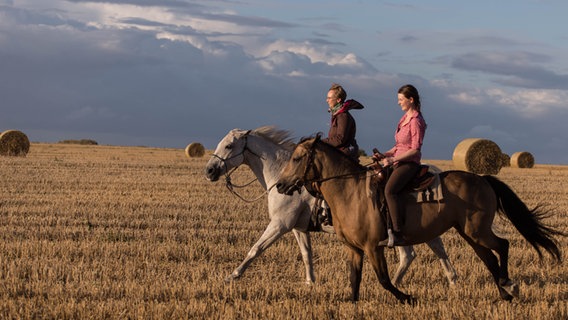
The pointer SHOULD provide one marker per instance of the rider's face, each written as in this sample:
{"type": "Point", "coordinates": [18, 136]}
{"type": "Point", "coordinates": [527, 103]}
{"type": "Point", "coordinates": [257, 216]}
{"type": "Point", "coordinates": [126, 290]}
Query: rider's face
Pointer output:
{"type": "Point", "coordinates": [331, 99]}
{"type": "Point", "coordinates": [405, 103]}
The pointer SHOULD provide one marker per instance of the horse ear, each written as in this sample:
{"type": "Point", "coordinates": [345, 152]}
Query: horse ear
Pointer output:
{"type": "Point", "coordinates": [318, 137]}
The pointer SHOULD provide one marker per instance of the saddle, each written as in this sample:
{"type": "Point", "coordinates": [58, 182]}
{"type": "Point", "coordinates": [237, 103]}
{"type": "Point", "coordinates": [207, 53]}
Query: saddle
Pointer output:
{"type": "Point", "coordinates": [420, 182]}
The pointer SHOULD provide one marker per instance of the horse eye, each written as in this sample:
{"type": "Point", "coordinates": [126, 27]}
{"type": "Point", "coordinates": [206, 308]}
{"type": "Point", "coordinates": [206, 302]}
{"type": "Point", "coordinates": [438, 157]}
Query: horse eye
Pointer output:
{"type": "Point", "coordinates": [229, 146]}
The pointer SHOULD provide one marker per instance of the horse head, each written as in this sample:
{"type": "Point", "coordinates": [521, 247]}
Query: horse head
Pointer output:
{"type": "Point", "coordinates": [301, 168]}
{"type": "Point", "coordinates": [229, 154]}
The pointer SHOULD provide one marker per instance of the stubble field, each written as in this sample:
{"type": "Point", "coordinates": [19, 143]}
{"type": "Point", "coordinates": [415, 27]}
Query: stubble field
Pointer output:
{"type": "Point", "coordinates": [95, 232]}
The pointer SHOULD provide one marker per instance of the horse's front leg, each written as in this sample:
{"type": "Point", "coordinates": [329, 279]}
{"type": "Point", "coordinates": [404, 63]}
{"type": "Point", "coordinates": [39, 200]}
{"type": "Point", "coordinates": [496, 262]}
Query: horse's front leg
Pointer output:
{"type": "Point", "coordinates": [273, 232]}
{"type": "Point", "coordinates": [355, 264]}
{"type": "Point", "coordinates": [379, 262]}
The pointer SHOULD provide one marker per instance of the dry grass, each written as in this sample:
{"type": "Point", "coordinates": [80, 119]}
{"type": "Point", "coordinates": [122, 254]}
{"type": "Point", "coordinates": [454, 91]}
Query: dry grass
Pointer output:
{"type": "Point", "coordinates": [95, 232]}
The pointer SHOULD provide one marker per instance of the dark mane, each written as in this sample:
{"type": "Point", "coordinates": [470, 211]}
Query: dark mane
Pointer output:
{"type": "Point", "coordinates": [341, 154]}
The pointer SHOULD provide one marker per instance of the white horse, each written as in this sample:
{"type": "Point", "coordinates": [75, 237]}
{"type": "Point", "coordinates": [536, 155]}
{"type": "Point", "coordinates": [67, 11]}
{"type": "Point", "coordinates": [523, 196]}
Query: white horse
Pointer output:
{"type": "Point", "coordinates": [266, 150]}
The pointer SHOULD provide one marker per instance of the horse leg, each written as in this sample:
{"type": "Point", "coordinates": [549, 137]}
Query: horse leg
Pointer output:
{"type": "Point", "coordinates": [355, 263]}
{"type": "Point", "coordinates": [501, 246]}
{"type": "Point", "coordinates": [437, 246]}
{"type": "Point", "coordinates": [406, 255]}
{"type": "Point", "coordinates": [273, 232]}
{"type": "Point", "coordinates": [507, 289]}
{"type": "Point", "coordinates": [377, 257]}
{"type": "Point", "coordinates": [305, 244]}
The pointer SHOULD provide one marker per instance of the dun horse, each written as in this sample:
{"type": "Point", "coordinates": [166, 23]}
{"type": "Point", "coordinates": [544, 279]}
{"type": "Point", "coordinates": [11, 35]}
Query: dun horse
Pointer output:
{"type": "Point", "coordinates": [469, 205]}
{"type": "Point", "coordinates": [266, 150]}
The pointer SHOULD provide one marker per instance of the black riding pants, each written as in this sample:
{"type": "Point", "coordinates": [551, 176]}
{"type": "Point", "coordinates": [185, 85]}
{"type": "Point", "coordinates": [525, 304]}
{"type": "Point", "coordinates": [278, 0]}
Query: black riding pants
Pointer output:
{"type": "Point", "coordinates": [402, 174]}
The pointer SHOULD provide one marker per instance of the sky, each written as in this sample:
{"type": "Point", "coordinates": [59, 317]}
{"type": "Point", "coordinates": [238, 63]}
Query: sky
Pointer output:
{"type": "Point", "coordinates": [166, 73]}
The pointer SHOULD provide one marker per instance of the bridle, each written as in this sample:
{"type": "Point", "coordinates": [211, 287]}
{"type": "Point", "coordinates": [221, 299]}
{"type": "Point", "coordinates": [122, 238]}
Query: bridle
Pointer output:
{"type": "Point", "coordinates": [230, 186]}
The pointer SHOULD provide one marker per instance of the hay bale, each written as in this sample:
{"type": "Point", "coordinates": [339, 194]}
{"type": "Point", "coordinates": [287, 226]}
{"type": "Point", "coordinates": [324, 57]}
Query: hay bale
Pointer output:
{"type": "Point", "coordinates": [522, 159]}
{"type": "Point", "coordinates": [14, 143]}
{"type": "Point", "coordinates": [505, 160]}
{"type": "Point", "coordinates": [480, 156]}
{"type": "Point", "coordinates": [194, 150]}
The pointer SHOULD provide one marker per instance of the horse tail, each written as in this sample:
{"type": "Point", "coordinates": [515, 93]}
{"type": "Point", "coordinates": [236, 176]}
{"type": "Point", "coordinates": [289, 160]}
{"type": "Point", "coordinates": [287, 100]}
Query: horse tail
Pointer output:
{"type": "Point", "coordinates": [528, 222]}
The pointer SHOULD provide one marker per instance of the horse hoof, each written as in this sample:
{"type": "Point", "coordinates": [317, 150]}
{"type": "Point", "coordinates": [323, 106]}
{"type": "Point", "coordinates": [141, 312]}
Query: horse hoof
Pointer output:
{"type": "Point", "coordinates": [230, 278]}
{"type": "Point", "coordinates": [511, 288]}
{"type": "Point", "coordinates": [328, 229]}
{"type": "Point", "coordinates": [410, 300]}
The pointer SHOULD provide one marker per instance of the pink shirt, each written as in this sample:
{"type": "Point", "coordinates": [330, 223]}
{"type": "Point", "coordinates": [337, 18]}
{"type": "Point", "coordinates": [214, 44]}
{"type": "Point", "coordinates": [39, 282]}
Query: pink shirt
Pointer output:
{"type": "Point", "coordinates": [410, 135]}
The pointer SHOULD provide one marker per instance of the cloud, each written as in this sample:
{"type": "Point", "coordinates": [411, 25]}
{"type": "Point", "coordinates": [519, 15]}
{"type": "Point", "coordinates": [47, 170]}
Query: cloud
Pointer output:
{"type": "Point", "coordinates": [166, 73]}
{"type": "Point", "coordinates": [521, 69]}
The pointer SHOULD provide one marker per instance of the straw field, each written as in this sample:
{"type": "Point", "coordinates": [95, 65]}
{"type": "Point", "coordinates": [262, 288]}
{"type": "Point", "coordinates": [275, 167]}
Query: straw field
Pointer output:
{"type": "Point", "coordinates": [102, 232]}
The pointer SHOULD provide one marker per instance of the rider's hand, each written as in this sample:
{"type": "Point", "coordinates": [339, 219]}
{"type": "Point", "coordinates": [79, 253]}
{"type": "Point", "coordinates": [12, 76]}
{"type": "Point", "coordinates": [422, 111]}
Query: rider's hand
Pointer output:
{"type": "Point", "coordinates": [377, 156]}
{"type": "Point", "coordinates": [387, 161]}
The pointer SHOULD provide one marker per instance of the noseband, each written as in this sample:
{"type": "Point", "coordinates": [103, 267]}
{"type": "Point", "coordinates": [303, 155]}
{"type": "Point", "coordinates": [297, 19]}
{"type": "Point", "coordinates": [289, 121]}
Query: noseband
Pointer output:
{"type": "Point", "coordinates": [228, 173]}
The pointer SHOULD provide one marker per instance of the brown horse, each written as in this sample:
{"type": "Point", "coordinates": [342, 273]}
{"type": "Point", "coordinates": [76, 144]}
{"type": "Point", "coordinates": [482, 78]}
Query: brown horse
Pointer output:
{"type": "Point", "coordinates": [469, 205]}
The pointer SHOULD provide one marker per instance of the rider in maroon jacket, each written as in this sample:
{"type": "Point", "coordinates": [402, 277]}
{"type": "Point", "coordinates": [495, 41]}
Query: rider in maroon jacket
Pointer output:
{"type": "Point", "coordinates": [341, 133]}
{"type": "Point", "coordinates": [342, 129]}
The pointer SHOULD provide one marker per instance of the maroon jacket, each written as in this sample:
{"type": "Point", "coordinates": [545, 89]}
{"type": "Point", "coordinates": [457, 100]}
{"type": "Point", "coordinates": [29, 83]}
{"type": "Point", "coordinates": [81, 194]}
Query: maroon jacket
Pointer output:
{"type": "Point", "coordinates": [343, 129]}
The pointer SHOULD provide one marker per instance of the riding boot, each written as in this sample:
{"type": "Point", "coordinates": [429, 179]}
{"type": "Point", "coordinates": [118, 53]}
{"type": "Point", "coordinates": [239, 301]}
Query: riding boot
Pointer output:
{"type": "Point", "coordinates": [325, 218]}
{"type": "Point", "coordinates": [325, 221]}
{"type": "Point", "coordinates": [395, 238]}
{"type": "Point", "coordinates": [314, 224]}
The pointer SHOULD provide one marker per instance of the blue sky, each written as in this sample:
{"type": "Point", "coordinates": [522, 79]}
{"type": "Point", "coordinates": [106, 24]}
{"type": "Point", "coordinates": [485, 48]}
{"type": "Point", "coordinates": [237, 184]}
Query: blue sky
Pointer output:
{"type": "Point", "coordinates": [166, 73]}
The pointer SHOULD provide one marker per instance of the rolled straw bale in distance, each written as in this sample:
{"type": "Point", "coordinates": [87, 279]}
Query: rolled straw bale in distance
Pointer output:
{"type": "Point", "coordinates": [194, 150]}
{"type": "Point", "coordinates": [14, 143]}
{"type": "Point", "coordinates": [522, 159]}
{"type": "Point", "coordinates": [478, 155]}
{"type": "Point", "coordinates": [505, 160]}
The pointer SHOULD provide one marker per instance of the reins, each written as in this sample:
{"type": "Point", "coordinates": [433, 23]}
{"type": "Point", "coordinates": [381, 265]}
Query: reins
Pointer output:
{"type": "Point", "coordinates": [310, 163]}
{"type": "Point", "coordinates": [230, 186]}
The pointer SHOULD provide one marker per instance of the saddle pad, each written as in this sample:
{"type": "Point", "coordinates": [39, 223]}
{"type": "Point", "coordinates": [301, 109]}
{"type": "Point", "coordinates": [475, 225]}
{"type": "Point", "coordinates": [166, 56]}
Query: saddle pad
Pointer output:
{"type": "Point", "coordinates": [432, 193]}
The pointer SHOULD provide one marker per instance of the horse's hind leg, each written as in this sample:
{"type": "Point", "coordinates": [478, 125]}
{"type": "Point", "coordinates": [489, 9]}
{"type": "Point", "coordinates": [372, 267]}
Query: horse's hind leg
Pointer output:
{"type": "Point", "coordinates": [437, 246]}
{"type": "Point", "coordinates": [379, 262]}
{"type": "Point", "coordinates": [304, 242]}
{"type": "Point", "coordinates": [406, 255]}
{"type": "Point", "coordinates": [507, 289]}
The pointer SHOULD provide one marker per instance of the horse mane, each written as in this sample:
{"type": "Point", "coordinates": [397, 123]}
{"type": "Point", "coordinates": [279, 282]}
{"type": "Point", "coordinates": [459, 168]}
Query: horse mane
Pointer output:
{"type": "Point", "coordinates": [336, 150]}
{"type": "Point", "coordinates": [277, 136]}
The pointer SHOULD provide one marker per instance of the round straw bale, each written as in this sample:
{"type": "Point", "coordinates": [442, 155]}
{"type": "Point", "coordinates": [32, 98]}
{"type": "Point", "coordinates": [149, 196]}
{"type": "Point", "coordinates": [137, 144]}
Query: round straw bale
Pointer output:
{"type": "Point", "coordinates": [505, 160]}
{"type": "Point", "coordinates": [480, 156]}
{"type": "Point", "coordinates": [522, 159]}
{"type": "Point", "coordinates": [194, 150]}
{"type": "Point", "coordinates": [14, 143]}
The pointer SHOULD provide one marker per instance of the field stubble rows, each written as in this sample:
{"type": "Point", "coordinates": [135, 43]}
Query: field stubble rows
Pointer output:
{"type": "Point", "coordinates": [132, 232]}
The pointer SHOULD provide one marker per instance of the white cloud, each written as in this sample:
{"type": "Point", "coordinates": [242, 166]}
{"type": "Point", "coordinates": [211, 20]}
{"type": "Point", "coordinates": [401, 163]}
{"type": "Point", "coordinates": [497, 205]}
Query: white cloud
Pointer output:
{"type": "Point", "coordinates": [530, 103]}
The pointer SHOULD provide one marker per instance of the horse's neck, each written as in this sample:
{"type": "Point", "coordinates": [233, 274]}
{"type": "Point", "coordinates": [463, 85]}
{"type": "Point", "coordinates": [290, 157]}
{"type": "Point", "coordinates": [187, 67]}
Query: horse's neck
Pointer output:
{"type": "Point", "coordinates": [342, 178]}
{"type": "Point", "coordinates": [267, 163]}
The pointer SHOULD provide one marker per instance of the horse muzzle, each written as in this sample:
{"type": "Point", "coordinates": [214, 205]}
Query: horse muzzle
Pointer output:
{"type": "Point", "coordinates": [212, 173]}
